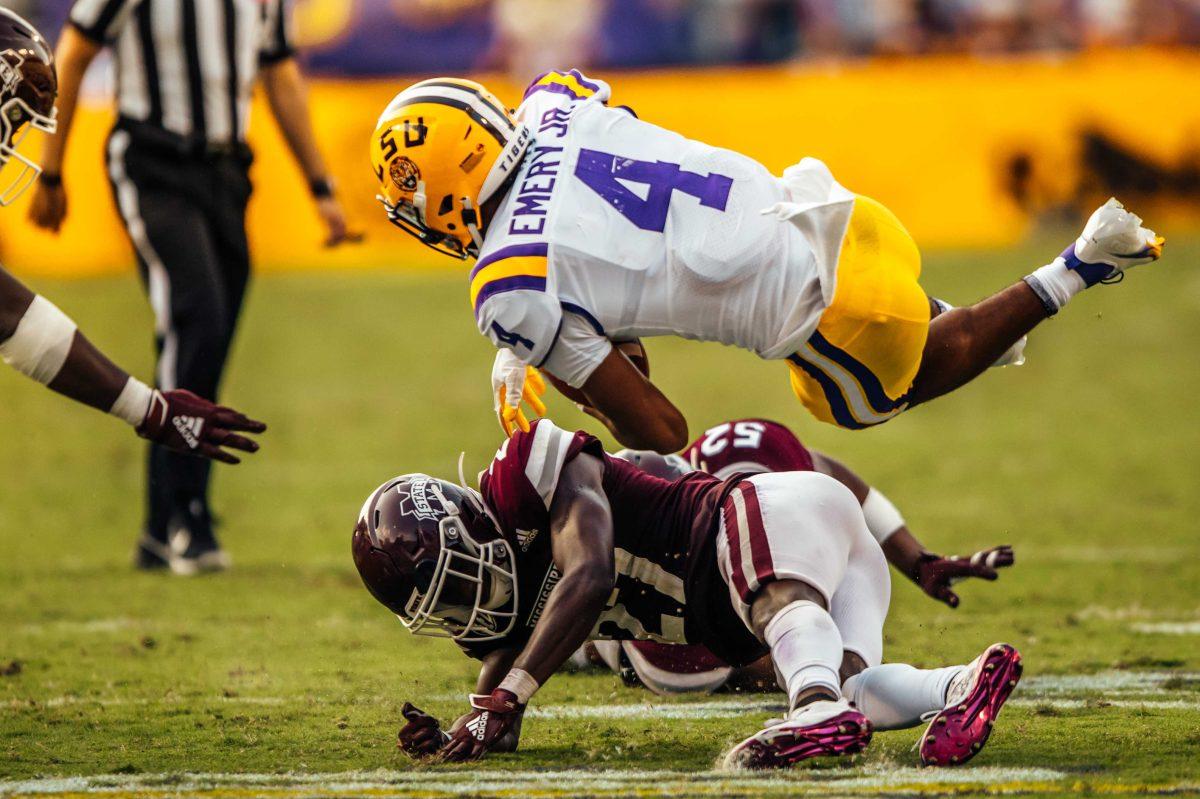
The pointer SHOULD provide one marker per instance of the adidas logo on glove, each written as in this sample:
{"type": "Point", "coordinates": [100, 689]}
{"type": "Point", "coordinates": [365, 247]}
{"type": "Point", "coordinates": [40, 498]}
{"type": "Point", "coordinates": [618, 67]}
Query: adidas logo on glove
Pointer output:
{"type": "Point", "coordinates": [189, 428]}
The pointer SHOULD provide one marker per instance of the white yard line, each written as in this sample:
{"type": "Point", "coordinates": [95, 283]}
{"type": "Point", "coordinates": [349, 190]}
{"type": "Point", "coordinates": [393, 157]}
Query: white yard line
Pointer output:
{"type": "Point", "coordinates": [724, 708]}
{"type": "Point", "coordinates": [1168, 628]}
{"type": "Point", "coordinates": [1101, 704]}
{"type": "Point", "coordinates": [117, 701]}
{"type": "Point", "coordinates": [543, 783]}
{"type": "Point", "coordinates": [109, 625]}
{"type": "Point", "coordinates": [1119, 682]}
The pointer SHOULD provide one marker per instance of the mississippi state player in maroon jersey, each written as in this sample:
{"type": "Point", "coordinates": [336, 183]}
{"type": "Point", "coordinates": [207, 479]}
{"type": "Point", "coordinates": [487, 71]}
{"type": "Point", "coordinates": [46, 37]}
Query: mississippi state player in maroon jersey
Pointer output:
{"type": "Point", "coordinates": [564, 543]}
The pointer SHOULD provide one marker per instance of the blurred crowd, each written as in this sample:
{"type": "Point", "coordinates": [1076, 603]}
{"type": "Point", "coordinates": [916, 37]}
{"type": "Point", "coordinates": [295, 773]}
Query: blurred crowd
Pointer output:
{"type": "Point", "coordinates": [528, 36]}
{"type": "Point", "coordinates": [553, 32]}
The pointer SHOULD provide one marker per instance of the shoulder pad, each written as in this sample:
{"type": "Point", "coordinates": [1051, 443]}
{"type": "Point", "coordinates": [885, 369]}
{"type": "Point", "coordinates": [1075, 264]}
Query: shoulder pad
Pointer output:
{"type": "Point", "coordinates": [512, 308]}
{"type": "Point", "coordinates": [523, 476]}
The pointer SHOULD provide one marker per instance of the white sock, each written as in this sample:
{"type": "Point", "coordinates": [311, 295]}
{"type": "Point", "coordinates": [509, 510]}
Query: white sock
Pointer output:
{"type": "Point", "coordinates": [896, 695]}
{"type": "Point", "coordinates": [806, 647]}
{"type": "Point", "coordinates": [1055, 284]}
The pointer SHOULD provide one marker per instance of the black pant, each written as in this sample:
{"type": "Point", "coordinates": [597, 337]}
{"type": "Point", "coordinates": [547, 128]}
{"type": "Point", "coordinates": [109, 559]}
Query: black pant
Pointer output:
{"type": "Point", "coordinates": [184, 209]}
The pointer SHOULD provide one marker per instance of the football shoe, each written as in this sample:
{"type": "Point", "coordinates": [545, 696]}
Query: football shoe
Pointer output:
{"type": "Point", "coordinates": [824, 728]}
{"type": "Point", "coordinates": [151, 554]}
{"type": "Point", "coordinates": [973, 700]}
{"type": "Point", "coordinates": [194, 547]}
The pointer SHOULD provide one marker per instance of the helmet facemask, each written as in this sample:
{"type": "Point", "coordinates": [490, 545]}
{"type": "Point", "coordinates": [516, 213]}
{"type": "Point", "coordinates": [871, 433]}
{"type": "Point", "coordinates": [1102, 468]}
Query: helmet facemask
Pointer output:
{"type": "Point", "coordinates": [409, 216]}
{"type": "Point", "coordinates": [484, 575]}
{"type": "Point", "coordinates": [17, 119]}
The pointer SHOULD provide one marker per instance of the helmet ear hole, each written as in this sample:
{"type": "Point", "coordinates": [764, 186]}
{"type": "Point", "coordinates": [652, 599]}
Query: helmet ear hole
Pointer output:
{"type": "Point", "coordinates": [424, 573]}
{"type": "Point", "coordinates": [446, 206]}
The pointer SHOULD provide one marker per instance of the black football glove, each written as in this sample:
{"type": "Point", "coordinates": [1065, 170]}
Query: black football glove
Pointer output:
{"type": "Point", "coordinates": [184, 422]}
{"type": "Point", "coordinates": [422, 735]}
{"type": "Point", "coordinates": [936, 573]}
{"type": "Point", "coordinates": [492, 715]}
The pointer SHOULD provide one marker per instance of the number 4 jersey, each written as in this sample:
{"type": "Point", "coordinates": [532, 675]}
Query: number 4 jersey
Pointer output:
{"type": "Point", "coordinates": [615, 228]}
{"type": "Point", "coordinates": [667, 585]}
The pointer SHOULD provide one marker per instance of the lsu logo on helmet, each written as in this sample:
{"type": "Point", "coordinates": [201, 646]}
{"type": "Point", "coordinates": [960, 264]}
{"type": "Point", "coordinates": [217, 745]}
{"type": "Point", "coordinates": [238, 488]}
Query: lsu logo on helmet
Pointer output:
{"type": "Point", "coordinates": [441, 149]}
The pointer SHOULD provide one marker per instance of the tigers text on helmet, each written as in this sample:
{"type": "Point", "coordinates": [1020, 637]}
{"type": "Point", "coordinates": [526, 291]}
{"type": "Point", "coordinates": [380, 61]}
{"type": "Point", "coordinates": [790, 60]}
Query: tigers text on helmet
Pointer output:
{"type": "Point", "coordinates": [28, 88]}
{"type": "Point", "coordinates": [441, 149]}
{"type": "Point", "coordinates": [429, 551]}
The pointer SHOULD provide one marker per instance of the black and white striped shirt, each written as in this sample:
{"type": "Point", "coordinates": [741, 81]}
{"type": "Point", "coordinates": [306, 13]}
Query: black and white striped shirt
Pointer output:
{"type": "Point", "coordinates": [187, 66]}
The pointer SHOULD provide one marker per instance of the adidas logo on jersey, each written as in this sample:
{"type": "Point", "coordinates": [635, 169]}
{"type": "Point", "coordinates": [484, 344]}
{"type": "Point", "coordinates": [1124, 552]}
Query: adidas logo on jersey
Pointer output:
{"type": "Point", "coordinates": [189, 428]}
{"type": "Point", "coordinates": [525, 538]}
{"type": "Point", "coordinates": [478, 725]}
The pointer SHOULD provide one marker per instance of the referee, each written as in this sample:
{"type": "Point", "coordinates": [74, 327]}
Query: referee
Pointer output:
{"type": "Point", "coordinates": [178, 161]}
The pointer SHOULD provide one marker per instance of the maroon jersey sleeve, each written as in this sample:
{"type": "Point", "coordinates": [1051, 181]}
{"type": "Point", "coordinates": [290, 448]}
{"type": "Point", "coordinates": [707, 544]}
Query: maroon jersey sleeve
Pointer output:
{"type": "Point", "coordinates": [748, 445]}
{"type": "Point", "coordinates": [519, 484]}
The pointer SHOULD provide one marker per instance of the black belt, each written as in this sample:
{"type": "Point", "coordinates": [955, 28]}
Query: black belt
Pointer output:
{"type": "Point", "coordinates": [153, 137]}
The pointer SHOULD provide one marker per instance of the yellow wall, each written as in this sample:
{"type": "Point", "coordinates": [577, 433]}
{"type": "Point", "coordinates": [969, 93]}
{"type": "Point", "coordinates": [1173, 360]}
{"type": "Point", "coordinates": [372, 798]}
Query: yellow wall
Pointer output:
{"type": "Point", "coordinates": [927, 137]}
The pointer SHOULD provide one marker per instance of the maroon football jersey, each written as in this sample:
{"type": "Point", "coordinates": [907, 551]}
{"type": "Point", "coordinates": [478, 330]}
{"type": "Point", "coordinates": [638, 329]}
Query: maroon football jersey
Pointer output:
{"type": "Point", "coordinates": [748, 445]}
{"type": "Point", "coordinates": [667, 586]}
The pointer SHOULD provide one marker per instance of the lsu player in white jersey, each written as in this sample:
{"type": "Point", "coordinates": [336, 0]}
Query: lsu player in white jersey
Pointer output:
{"type": "Point", "coordinates": [591, 229]}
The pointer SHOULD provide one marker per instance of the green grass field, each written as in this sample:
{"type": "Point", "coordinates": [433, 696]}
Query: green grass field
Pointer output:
{"type": "Point", "coordinates": [283, 678]}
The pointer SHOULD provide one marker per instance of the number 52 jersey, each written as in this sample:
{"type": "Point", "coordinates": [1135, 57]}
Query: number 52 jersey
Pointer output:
{"type": "Point", "coordinates": [616, 228]}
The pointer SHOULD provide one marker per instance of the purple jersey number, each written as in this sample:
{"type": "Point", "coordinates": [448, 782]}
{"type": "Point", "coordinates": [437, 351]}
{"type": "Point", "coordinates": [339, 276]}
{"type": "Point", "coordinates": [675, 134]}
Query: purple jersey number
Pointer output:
{"type": "Point", "coordinates": [600, 172]}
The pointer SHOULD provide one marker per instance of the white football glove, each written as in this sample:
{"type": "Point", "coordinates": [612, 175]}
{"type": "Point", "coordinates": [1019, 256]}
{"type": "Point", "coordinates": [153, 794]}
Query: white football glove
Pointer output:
{"type": "Point", "coordinates": [512, 383]}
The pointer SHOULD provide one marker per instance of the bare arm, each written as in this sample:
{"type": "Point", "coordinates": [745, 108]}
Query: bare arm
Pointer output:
{"type": "Point", "coordinates": [14, 301]}
{"type": "Point", "coordinates": [75, 52]}
{"type": "Point", "coordinates": [582, 543]}
{"type": "Point", "coordinates": [634, 410]}
{"type": "Point", "coordinates": [40, 341]}
{"type": "Point", "coordinates": [288, 98]}
{"type": "Point", "coordinates": [86, 375]}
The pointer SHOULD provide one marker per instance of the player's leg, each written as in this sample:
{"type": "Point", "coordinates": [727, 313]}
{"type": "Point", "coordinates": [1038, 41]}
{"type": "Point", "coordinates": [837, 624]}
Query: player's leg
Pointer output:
{"type": "Point", "coordinates": [879, 349]}
{"type": "Point", "coordinates": [859, 606]}
{"type": "Point", "coordinates": [963, 342]}
{"type": "Point", "coordinates": [1013, 356]}
{"type": "Point", "coordinates": [896, 695]}
{"type": "Point", "coordinates": [194, 325]}
{"type": "Point", "coordinates": [783, 551]}
{"type": "Point", "coordinates": [960, 703]}
{"type": "Point", "coordinates": [227, 271]}
{"type": "Point", "coordinates": [156, 198]}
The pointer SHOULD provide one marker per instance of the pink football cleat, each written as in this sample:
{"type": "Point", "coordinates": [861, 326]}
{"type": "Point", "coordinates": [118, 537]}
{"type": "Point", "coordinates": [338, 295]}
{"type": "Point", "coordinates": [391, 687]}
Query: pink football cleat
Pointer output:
{"type": "Point", "coordinates": [973, 700]}
{"type": "Point", "coordinates": [820, 729]}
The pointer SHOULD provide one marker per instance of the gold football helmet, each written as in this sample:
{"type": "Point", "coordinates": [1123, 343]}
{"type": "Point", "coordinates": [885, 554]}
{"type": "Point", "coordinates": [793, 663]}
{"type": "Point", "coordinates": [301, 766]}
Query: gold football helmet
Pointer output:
{"type": "Point", "coordinates": [441, 149]}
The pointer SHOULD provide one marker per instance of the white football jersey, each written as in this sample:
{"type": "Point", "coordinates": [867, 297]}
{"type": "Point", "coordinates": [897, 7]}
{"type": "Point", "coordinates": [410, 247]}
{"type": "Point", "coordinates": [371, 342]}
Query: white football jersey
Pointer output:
{"type": "Point", "coordinates": [615, 228]}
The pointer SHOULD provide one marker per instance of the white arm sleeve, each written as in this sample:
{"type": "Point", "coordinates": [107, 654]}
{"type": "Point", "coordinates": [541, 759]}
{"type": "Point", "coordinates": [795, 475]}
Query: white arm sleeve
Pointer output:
{"type": "Point", "coordinates": [40, 344]}
{"type": "Point", "coordinates": [578, 351]}
{"type": "Point", "coordinates": [883, 518]}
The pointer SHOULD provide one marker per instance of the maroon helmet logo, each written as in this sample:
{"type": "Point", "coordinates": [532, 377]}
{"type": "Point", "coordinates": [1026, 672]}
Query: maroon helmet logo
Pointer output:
{"type": "Point", "coordinates": [404, 174]}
